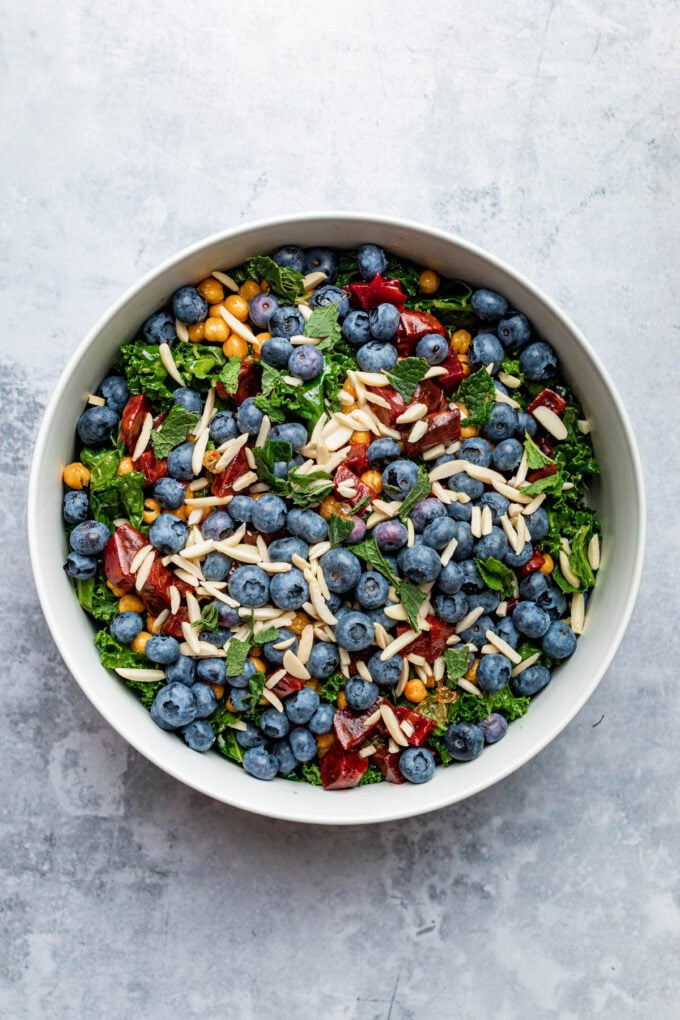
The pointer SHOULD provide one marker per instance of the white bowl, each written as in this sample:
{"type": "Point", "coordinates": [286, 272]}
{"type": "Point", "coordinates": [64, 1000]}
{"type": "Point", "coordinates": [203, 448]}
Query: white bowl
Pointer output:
{"type": "Point", "coordinates": [620, 500]}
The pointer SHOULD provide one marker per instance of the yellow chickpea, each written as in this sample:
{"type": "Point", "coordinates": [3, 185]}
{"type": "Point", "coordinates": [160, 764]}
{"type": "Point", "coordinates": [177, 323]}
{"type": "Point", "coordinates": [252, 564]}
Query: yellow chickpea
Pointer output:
{"type": "Point", "coordinates": [125, 466]}
{"type": "Point", "coordinates": [196, 332]}
{"type": "Point", "coordinates": [139, 643]}
{"type": "Point", "coordinates": [238, 306]}
{"type": "Point", "coordinates": [461, 340]}
{"type": "Point", "coordinates": [114, 590]}
{"type": "Point", "coordinates": [76, 475]}
{"type": "Point", "coordinates": [548, 564]}
{"type": "Point", "coordinates": [235, 347]}
{"type": "Point", "coordinates": [324, 742]}
{"type": "Point", "coordinates": [152, 509]}
{"type": "Point", "coordinates": [360, 437]}
{"type": "Point", "coordinates": [415, 690]}
{"type": "Point", "coordinates": [131, 604]}
{"type": "Point", "coordinates": [258, 664]}
{"type": "Point", "coordinates": [428, 281]}
{"type": "Point", "coordinates": [216, 330]}
{"type": "Point", "coordinates": [211, 289]}
{"type": "Point", "coordinates": [374, 479]}
{"type": "Point", "coordinates": [249, 289]}
{"type": "Point", "coordinates": [472, 672]}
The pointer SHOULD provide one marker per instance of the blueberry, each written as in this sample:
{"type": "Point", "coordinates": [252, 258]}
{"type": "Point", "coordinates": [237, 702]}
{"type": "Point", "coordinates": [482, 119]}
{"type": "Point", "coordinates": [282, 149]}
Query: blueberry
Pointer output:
{"type": "Point", "coordinates": [269, 514]}
{"type": "Point", "coordinates": [473, 583]}
{"type": "Point", "coordinates": [416, 764]}
{"type": "Point", "coordinates": [321, 260]}
{"type": "Point", "coordinates": [291, 256]}
{"type": "Point", "coordinates": [275, 655]}
{"type": "Point", "coordinates": [323, 660]}
{"type": "Point", "coordinates": [169, 492]}
{"type": "Point", "coordinates": [507, 455]}
{"type": "Point", "coordinates": [217, 525]}
{"type": "Point", "coordinates": [371, 590]}
{"type": "Point", "coordinates": [383, 322]}
{"type": "Point", "coordinates": [249, 585]}
{"type": "Point", "coordinates": [390, 536]}
{"type": "Point", "coordinates": [532, 587]}
{"type": "Point", "coordinates": [96, 424]}
{"type": "Point", "coordinates": [159, 328]}
{"type": "Point", "coordinates": [199, 735]}
{"type": "Point", "coordinates": [189, 306]}
{"type": "Point", "coordinates": [494, 544]}
{"type": "Point", "coordinates": [125, 627]}
{"type": "Point", "coordinates": [538, 362]}
{"type": "Point", "coordinates": [274, 724]}
{"type": "Point", "coordinates": [341, 570]}
{"type": "Point", "coordinates": [354, 631]}
{"type": "Point", "coordinates": [182, 670]}
{"type": "Point", "coordinates": [114, 390]}
{"type": "Point", "coordinates": [282, 550]}
{"type": "Point", "coordinates": [308, 525]}
{"type": "Point", "coordinates": [174, 706]}
{"type": "Point", "coordinates": [450, 608]}
{"type": "Point", "coordinates": [168, 534]}
{"type": "Point", "coordinates": [81, 568]}
{"type": "Point", "coordinates": [261, 308]}
{"type": "Point", "coordinates": [329, 295]}
{"type": "Point", "coordinates": [89, 538]}
{"type": "Point", "coordinates": [241, 509]}
{"type": "Point", "coordinates": [378, 616]}
{"type": "Point", "coordinates": [240, 680]}
{"type": "Point", "coordinates": [433, 347]}
{"type": "Point", "coordinates": [475, 634]}
{"type": "Point", "coordinates": [322, 720]}
{"type": "Point", "coordinates": [493, 672]}
{"type": "Point", "coordinates": [250, 737]}
{"type": "Point", "coordinates": [489, 305]}
{"type": "Point", "coordinates": [240, 698]}
{"type": "Point", "coordinates": [488, 600]}
{"type": "Point", "coordinates": [301, 705]}
{"type": "Point", "coordinates": [462, 482]}
{"type": "Point", "coordinates": [302, 744]}
{"type": "Point", "coordinates": [377, 356]}
{"type": "Point", "coordinates": [502, 423]}
{"type": "Point", "coordinates": [286, 321]}
{"type": "Point", "coordinates": [516, 560]}
{"type": "Point", "coordinates": [371, 260]}
{"type": "Point", "coordinates": [218, 637]}
{"type": "Point", "coordinates": [190, 399]}
{"type": "Point", "coordinates": [426, 511]}
{"type": "Point", "coordinates": [494, 728]}
{"type": "Point", "coordinates": [179, 462]}
{"type": "Point", "coordinates": [285, 759]}
{"type": "Point", "coordinates": [223, 427]}
{"type": "Point", "coordinates": [382, 452]}
{"type": "Point", "coordinates": [465, 538]}
{"type": "Point", "coordinates": [526, 423]}
{"type": "Point", "coordinates": [356, 329]}
{"type": "Point", "coordinates": [249, 417]}
{"type": "Point", "coordinates": [559, 641]}
{"type": "Point", "coordinates": [464, 741]}
{"type": "Point", "coordinates": [499, 505]}
{"type": "Point", "coordinates": [450, 580]}
{"type": "Point", "coordinates": [206, 702]}
{"type": "Point", "coordinates": [290, 590]}
{"type": "Point", "coordinates": [419, 564]}
{"type": "Point", "coordinates": [226, 616]}
{"type": "Point", "coordinates": [162, 648]}
{"type": "Point", "coordinates": [211, 671]}
{"type": "Point", "coordinates": [530, 681]}
{"type": "Point", "coordinates": [486, 349]}
{"type": "Point", "coordinates": [290, 432]}
{"type": "Point", "coordinates": [514, 331]}
{"type": "Point", "coordinates": [477, 451]}
{"type": "Point", "coordinates": [260, 764]}
{"type": "Point", "coordinates": [554, 602]}
{"type": "Point", "coordinates": [358, 532]}
{"type": "Point", "coordinates": [530, 619]}
{"type": "Point", "coordinates": [361, 694]}
{"type": "Point", "coordinates": [387, 673]}
{"type": "Point", "coordinates": [277, 351]}
{"type": "Point", "coordinates": [306, 362]}
{"type": "Point", "coordinates": [538, 524]}
{"type": "Point", "coordinates": [76, 506]}
{"type": "Point", "coordinates": [398, 478]}
{"type": "Point", "coordinates": [216, 566]}
{"type": "Point", "coordinates": [500, 388]}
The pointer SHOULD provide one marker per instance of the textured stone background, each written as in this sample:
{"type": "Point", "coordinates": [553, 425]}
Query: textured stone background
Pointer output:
{"type": "Point", "coordinates": [546, 132]}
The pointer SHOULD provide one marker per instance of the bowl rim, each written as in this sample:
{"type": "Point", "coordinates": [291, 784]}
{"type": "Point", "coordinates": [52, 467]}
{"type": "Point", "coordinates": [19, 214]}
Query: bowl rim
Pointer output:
{"type": "Point", "coordinates": [391, 811]}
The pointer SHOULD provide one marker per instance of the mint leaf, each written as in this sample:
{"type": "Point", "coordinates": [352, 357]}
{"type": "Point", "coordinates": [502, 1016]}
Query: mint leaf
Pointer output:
{"type": "Point", "coordinates": [421, 490]}
{"type": "Point", "coordinates": [411, 599]}
{"type": "Point", "coordinates": [285, 282]}
{"type": "Point", "coordinates": [496, 575]}
{"type": "Point", "coordinates": [535, 457]}
{"type": "Point", "coordinates": [304, 489]}
{"type": "Point", "coordinates": [228, 745]}
{"type": "Point", "coordinates": [209, 618]}
{"type": "Point", "coordinates": [478, 393]}
{"type": "Point", "coordinates": [370, 552]}
{"type": "Point", "coordinates": [252, 700]}
{"type": "Point", "coordinates": [221, 718]}
{"type": "Point", "coordinates": [173, 430]}
{"type": "Point", "coordinates": [237, 653]}
{"type": "Point", "coordinates": [265, 636]}
{"type": "Point", "coordinates": [229, 374]}
{"type": "Point", "coordinates": [323, 324]}
{"type": "Point", "coordinates": [406, 375]}
{"type": "Point", "coordinates": [339, 529]}
{"type": "Point", "coordinates": [549, 483]}
{"type": "Point", "coordinates": [457, 662]}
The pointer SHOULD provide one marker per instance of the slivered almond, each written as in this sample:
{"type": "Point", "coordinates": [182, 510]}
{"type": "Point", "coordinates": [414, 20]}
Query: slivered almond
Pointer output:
{"type": "Point", "coordinates": [305, 310]}
{"type": "Point", "coordinates": [347, 491]}
{"type": "Point", "coordinates": [411, 539]}
{"type": "Point", "coordinates": [228, 543]}
{"type": "Point", "coordinates": [175, 599]}
{"type": "Point", "coordinates": [521, 471]}
{"type": "Point", "coordinates": [265, 429]}
{"type": "Point", "coordinates": [469, 619]}
{"type": "Point", "coordinates": [385, 430]}
{"type": "Point", "coordinates": [469, 687]}
{"type": "Point", "coordinates": [191, 568]}
{"type": "Point", "coordinates": [502, 646]}
{"type": "Point", "coordinates": [522, 532]}
{"type": "Point", "coordinates": [193, 608]}
{"type": "Point", "coordinates": [275, 568]}
{"type": "Point", "coordinates": [196, 552]}
{"type": "Point", "coordinates": [445, 495]}
{"type": "Point", "coordinates": [298, 562]}
{"type": "Point", "coordinates": [407, 727]}
{"type": "Point", "coordinates": [510, 533]}
{"type": "Point", "coordinates": [144, 437]}
{"type": "Point", "coordinates": [196, 516]}
{"type": "Point", "coordinates": [392, 724]}
{"type": "Point", "coordinates": [236, 326]}
{"type": "Point", "coordinates": [505, 398]}
{"type": "Point", "coordinates": [212, 589]}
{"type": "Point", "coordinates": [231, 449]}
{"type": "Point", "coordinates": [203, 501]}
{"type": "Point", "coordinates": [367, 751]}
{"type": "Point", "coordinates": [141, 675]}
{"type": "Point", "coordinates": [448, 551]}
{"type": "Point", "coordinates": [565, 567]}
{"type": "Point", "coordinates": [511, 381]}
{"type": "Point", "coordinates": [371, 378]}
{"type": "Point", "coordinates": [244, 481]}
{"type": "Point", "coordinates": [347, 398]}
{"type": "Point", "coordinates": [139, 558]}
{"type": "Point", "coordinates": [320, 607]}
{"type": "Point", "coordinates": [417, 660]}
{"type": "Point", "coordinates": [550, 422]}
{"type": "Point", "coordinates": [238, 724]}
{"type": "Point", "coordinates": [594, 552]}
{"type": "Point", "coordinates": [318, 549]}
{"type": "Point", "coordinates": [432, 452]}
{"type": "Point", "coordinates": [396, 612]}
{"type": "Point", "coordinates": [337, 436]}
{"type": "Point", "coordinates": [502, 609]}
{"type": "Point", "coordinates": [198, 484]}
{"type": "Point", "coordinates": [578, 612]}
{"type": "Point", "coordinates": [293, 666]}
{"type": "Point", "coordinates": [375, 518]}
{"type": "Point", "coordinates": [190, 636]}
{"type": "Point", "coordinates": [382, 638]}
{"type": "Point", "coordinates": [169, 363]}
{"type": "Point", "coordinates": [532, 507]}
{"type": "Point", "coordinates": [305, 644]}
{"type": "Point", "coordinates": [321, 580]}
{"type": "Point", "coordinates": [487, 520]}
{"type": "Point", "coordinates": [362, 670]}
{"type": "Point", "coordinates": [227, 280]}
{"type": "Point", "coordinates": [412, 413]}
{"type": "Point", "coordinates": [250, 457]}
{"type": "Point", "coordinates": [439, 668]}
{"type": "Point", "coordinates": [433, 372]}
{"type": "Point", "coordinates": [312, 280]}
{"type": "Point", "coordinates": [144, 570]}
{"type": "Point", "coordinates": [95, 400]}
{"type": "Point", "coordinates": [476, 522]}
{"type": "Point", "coordinates": [275, 677]}
{"type": "Point", "coordinates": [181, 330]}
{"type": "Point", "coordinates": [208, 411]}
{"type": "Point", "coordinates": [273, 699]}
{"type": "Point", "coordinates": [261, 613]}
{"type": "Point", "coordinates": [188, 578]}
{"type": "Point", "coordinates": [396, 646]}
{"type": "Point", "coordinates": [262, 548]}
{"type": "Point", "coordinates": [526, 663]}
{"type": "Point", "coordinates": [403, 679]}
{"type": "Point", "coordinates": [372, 398]}
{"type": "Point", "coordinates": [417, 432]}
{"type": "Point", "coordinates": [584, 426]}
{"type": "Point", "coordinates": [292, 380]}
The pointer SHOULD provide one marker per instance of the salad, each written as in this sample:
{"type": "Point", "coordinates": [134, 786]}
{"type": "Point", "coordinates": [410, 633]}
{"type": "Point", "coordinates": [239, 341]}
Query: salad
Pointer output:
{"type": "Point", "coordinates": [329, 515]}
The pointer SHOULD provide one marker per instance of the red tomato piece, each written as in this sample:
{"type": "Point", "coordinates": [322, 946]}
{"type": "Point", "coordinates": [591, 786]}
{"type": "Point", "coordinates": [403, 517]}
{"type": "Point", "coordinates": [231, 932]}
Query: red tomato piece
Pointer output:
{"type": "Point", "coordinates": [223, 482]}
{"type": "Point", "coordinates": [132, 419]}
{"type": "Point", "coordinates": [377, 292]}
{"type": "Point", "coordinates": [454, 373]}
{"type": "Point", "coordinates": [341, 769]}
{"type": "Point", "coordinates": [430, 643]}
{"type": "Point", "coordinates": [442, 427]}
{"type": "Point", "coordinates": [422, 726]}
{"type": "Point", "coordinates": [388, 763]}
{"type": "Point", "coordinates": [119, 553]}
{"type": "Point", "coordinates": [533, 564]}
{"type": "Point", "coordinates": [287, 685]}
{"type": "Point", "coordinates": [548, 398]}
{"type": "Point", "coordinates": [343, 476]}
{"type": "Point", "coordinates": [351, 727]}
{"type": "Point", "coordinates": [544, 472]}
{"type": "Point", "coordinates": [151, 468]}
{"type": "Point", "coordinates": [356, 460]}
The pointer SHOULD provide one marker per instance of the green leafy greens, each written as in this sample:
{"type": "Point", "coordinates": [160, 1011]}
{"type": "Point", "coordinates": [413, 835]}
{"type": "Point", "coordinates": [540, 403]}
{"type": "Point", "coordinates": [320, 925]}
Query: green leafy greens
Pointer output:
{"type": "Point", "coordinates": [406, 375]}
{"type": "Point", "coordinates": [496, 575]}
{"type": "Point", "coordinates": [457, 663]}
{"type": "Point", "coordinates": [98, 600]}
{"type": "Point", "coordinates": [411, 599]}
{"type": "Point", "coordinates": [323, 324]}
{"type": "Point", "coordinates": [478, 393]}
{"type": "Point", "coordinates": [339, 529]}
{"type": "Point", "coordinates": [285, 282]}
{"type": "Point", "coordinates": [113, 495]}
{"type": "Point", "coordinates": [173, 430]}
{"type": "Point", "coordinates": [304, 489]}
{"type": "Point", "coordinates": [419, 491]}
{"type": "Point", "coordinates": [535, 457]}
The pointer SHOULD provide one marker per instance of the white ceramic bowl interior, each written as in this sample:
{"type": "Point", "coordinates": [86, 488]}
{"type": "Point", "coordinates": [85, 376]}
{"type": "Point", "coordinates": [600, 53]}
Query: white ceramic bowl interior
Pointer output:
{"type": "Point", "coordinates": [620, 500]}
